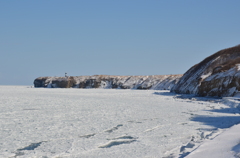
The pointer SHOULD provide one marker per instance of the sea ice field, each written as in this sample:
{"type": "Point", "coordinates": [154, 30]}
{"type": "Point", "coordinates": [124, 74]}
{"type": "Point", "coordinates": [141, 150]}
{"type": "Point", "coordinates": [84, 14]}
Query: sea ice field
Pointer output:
{"type": "Point", "coordinates": [110, 123]}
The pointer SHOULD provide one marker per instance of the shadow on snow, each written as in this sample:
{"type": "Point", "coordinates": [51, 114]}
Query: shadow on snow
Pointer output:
{"type": "Point", "coordinates": [214, 121]}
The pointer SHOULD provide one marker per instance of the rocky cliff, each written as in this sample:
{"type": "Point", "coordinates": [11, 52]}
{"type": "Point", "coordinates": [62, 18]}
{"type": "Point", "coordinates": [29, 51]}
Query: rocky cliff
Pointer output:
{"type": "Point", "coordinates": [217, 75]}
{"type": "Point", "coordinates": [161, 82]}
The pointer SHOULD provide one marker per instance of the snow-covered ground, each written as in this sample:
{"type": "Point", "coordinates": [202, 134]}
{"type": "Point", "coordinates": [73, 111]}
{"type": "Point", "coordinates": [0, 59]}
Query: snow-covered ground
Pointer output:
{"type": "Point", "coordinates": [226, 144]}
{"type": "Point", "coordinates": [100, 123]}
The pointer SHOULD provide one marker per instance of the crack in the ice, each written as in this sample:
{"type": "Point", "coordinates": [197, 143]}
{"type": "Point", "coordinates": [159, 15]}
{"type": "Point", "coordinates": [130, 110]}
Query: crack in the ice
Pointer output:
{"type": "Point", "coordinates": [32, 146]}
{"type": "Point", "coordinates": [87, 136]}
{"type": "Point", "coordinates": [114, 128]}
{"type": "Point", "coordinates": [123, 137]}
{"type": "Point", "coordinates": [148, 130]}
{"type": "Point", "coordinates": [118, 141]}
{"type": "Point", "coordinates": [134, 121]}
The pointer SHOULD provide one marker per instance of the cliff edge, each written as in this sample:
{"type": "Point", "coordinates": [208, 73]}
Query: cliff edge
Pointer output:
{"type": "Point", "coordinates": [217, 75]}
{"type": "Point", "coordinates": [161, 82]}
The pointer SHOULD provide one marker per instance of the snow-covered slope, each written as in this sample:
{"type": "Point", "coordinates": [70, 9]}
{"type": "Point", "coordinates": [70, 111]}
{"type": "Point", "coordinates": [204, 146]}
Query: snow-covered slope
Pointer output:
{"type": "Point", "coordinates": [163, 82]}
{"type": "Point", "coordinates": [217, 75]}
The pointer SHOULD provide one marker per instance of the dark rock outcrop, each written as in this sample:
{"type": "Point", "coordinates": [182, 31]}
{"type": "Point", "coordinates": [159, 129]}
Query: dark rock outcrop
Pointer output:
{"type": "Point", "coordinates": [40, 82]}
{"type": "Point", "coordinates": [66, 82]}
{"type": "Point", "coordinates": [217, 75]}
{"type": "Point", "coordinates": [105, 81]}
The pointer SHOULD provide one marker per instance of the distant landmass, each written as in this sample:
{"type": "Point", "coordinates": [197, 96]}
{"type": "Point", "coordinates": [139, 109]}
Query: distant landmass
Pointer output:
{"type": "Point", "coordinates": [217, 75]}
{"type": "Point", "coordinates": [160, 82]}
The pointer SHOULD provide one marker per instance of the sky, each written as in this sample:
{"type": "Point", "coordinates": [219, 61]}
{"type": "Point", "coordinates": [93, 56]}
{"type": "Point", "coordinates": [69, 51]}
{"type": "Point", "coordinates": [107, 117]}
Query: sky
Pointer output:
{"type": "Point", "coordinates": [107, 37]}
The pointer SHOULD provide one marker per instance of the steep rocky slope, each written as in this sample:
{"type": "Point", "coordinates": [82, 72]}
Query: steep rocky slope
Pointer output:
{"type": "Point", "coordinates": [217, 75]}
{"type": "Point", "coordinates": [104, 81]}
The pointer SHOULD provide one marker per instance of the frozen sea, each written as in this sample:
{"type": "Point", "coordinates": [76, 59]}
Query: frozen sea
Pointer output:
{"type": "Point", "coordinates": [107, 123]}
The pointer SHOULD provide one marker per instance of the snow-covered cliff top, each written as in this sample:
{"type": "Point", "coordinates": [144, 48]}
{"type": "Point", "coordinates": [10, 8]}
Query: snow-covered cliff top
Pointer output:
{"type": "Point", "coordinates": [107, 81]}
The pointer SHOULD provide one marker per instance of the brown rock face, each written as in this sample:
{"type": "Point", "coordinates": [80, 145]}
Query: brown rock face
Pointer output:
{"type": "Point", "coordinates": [64, 82]}
{"type": "Point", "coordinates": [217, 75]}
{"type": "Point", "coordinates": [220, 86]}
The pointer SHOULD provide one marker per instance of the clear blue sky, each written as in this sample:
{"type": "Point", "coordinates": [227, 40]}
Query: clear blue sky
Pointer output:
{"type": "Point", "coordinates": [124, 37]}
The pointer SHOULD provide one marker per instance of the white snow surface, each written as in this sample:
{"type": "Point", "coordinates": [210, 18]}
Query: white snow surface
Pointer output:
{"type": "Point", "coordinates": [226, 145]}
{"type": "Point", "coordinates": [95, 123]}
